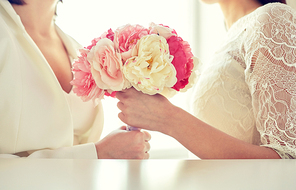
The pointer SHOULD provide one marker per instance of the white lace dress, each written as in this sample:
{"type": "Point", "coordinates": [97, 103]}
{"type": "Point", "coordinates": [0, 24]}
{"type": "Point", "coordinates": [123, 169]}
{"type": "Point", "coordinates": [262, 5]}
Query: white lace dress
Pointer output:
{"type": "Point", "coordinates": [248, 90]}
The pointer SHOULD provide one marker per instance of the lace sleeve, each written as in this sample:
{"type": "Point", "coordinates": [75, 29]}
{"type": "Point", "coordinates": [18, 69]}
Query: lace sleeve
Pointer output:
{"type": "Point", "coordinates": [271, 75]}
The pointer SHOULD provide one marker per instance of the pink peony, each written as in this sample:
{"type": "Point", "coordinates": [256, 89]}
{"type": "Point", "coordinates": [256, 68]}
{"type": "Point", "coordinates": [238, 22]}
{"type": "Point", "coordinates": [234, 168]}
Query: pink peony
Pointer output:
{"type": "Point", "coordinates": [109, 35]}
{"type": "Point", "coordinates": [126, 38]}
{"type": "Point", "coordinates": [183, 60]}
{"type": "Point", "coordinates": [162, 30]}
{"type": "Point", "coordinates": [112, 94]}
{"type": "Point", "coordinates": [83, 83]}
{"type": "Point", "coordinates": [134, 56]}
{"type": "Point", "coordinates": [106, 66]}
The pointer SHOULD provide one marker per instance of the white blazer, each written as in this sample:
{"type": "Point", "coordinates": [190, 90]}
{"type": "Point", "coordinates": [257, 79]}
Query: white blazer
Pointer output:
{"type": "Point", "coordinates": [36, 115]}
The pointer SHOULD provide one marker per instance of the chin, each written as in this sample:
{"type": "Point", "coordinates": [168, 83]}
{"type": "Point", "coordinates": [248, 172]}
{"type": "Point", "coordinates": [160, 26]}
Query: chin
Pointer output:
{"type": "Point", "coordinates": [209, 1]}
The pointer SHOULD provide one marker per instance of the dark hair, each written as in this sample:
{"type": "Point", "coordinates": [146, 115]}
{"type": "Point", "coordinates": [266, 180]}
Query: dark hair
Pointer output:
{"type": "Point", "coordinates": [263, 2]}
{"type": "Point", "coordinates": [20, 2]}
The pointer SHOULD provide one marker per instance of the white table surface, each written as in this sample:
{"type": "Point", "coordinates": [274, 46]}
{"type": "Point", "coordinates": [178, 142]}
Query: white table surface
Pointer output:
{"type": "Point", "coordinates": [43, 174]}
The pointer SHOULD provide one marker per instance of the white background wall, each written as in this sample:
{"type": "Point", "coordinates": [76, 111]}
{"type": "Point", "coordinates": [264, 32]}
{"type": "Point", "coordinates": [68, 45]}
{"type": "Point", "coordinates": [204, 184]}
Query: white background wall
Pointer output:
{"type": "Point", "coordinates": [199, 24]}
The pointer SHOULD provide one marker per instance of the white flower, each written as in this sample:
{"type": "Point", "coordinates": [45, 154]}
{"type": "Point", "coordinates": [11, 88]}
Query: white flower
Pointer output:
{"type": "Point", "coordinates": [150, 69]}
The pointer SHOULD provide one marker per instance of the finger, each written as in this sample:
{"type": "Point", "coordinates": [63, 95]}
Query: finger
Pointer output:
{"type": "Point", "coordinates": [147, 136]}
{"type": "Point", "coordinates": [147, 147]}
{"type": "Point", "coordinates": [121, 117]}
{"type": "Point", "coordinates": [120, 94]}
{"type": "Point", "coordinates": [131, 91]}
{"type": "Point", "coordinates": [120, 105]}
{"type": "Point", "coordinates": [123, 128]}
{"type": "Point", "coordinates": [146, 155]}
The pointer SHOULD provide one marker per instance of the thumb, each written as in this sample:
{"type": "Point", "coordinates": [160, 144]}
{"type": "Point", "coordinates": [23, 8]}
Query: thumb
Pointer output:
{"type": "Point", "coordinates": [123, 128]}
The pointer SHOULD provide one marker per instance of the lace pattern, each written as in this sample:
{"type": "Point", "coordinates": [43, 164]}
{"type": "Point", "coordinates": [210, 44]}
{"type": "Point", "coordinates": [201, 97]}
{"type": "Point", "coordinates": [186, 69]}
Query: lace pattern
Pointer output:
{"type": "Point", "coordinates": [271, 60]}
{"type": "Point", "coordinates": [254, 75]}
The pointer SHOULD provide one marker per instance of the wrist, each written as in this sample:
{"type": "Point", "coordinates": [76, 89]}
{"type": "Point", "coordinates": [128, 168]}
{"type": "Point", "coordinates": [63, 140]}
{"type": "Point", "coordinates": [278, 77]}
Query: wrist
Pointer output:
{"type": "Point", "coordinates": [97, 145]}
{"type": "Point", "coordinates": [180, 122]}
{"type": "Point", "coordinates": [172, 121]}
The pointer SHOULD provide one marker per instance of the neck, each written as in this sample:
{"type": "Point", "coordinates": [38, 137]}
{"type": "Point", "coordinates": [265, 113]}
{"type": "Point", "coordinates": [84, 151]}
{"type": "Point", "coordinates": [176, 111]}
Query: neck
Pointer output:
{"type": "Point", "coordinates": [236, 9]}
{"type": "Point", "coordinates": [37, 16]}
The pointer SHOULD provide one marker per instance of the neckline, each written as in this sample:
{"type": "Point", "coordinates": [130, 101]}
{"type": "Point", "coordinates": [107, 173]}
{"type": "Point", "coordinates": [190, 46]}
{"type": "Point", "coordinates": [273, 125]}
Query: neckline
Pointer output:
{"type": "Point", "coordinates": [247, 16]}
{"type": "Point", "coordinates": [68, 93]}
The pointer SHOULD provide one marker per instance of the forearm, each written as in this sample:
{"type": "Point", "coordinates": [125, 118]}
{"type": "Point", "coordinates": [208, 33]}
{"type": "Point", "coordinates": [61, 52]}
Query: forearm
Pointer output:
{"type": "Point", "coordinates": [209, 143]}
{"type": "Point", "coordinates": [156, 113]}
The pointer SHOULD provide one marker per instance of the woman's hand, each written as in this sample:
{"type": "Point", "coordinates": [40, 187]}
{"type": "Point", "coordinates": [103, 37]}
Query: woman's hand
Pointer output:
{"type": "Point", "coordinates": [151, 112]}
{"type": "Point", "coordinates": [122, 144]}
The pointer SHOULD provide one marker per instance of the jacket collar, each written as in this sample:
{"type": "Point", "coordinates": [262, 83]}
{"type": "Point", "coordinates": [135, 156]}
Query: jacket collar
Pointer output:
{"type": "Point", "coordinates": [71, 45]}
{"type": "Point", "coordinates": [11, 12]}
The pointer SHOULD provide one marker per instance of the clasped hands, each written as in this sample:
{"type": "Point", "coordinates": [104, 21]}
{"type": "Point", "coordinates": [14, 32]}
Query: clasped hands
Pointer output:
{"type": "Point", "coordinates": [139, 110]}
{"type": "Point", "coordinates": [123, 144]}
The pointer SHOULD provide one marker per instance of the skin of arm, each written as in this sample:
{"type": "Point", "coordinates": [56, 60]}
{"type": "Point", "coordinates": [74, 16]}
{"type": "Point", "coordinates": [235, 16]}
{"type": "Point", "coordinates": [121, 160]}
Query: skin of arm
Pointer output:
{"type": "Point", "coordinates": [156, 113]}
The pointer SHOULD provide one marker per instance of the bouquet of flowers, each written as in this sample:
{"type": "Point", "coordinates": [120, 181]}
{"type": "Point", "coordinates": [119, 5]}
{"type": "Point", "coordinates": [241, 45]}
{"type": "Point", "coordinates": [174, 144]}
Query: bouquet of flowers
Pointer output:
{"type": "Point", "coordinates": [152, 60]}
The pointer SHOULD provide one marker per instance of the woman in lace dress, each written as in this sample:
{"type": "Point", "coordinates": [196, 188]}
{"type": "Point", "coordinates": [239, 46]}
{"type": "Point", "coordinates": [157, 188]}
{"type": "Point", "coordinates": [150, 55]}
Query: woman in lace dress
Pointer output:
{"type": "Point", "coordinates": [244, 102]}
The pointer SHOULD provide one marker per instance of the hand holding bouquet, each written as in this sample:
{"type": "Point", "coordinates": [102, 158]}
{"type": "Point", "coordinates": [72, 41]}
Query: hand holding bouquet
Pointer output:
{"type": "Point", "coordinates": [152, 60]}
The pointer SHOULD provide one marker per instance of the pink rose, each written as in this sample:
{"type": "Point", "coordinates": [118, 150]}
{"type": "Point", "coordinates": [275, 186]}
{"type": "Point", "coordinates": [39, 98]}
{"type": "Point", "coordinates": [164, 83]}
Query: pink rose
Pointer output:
{"type": "Point", "coordinates": [83, 83]}
{"type": "Point", "coordinates": [183, 60]}
{"type": "Point", "coordinates": [109, 35]}
{"type": "Point", "coordinates": [106, 66]}
{"type": "Point", "coordinates": [126, 38]}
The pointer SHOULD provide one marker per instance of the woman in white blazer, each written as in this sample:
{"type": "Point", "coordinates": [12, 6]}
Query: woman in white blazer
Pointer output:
{"type": "Point", "coordinates": [40, 117]}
